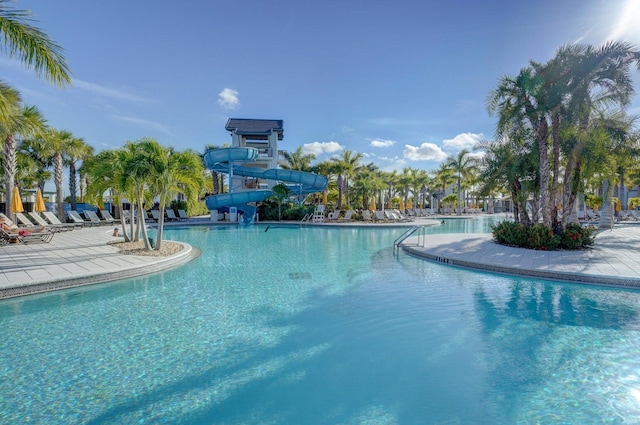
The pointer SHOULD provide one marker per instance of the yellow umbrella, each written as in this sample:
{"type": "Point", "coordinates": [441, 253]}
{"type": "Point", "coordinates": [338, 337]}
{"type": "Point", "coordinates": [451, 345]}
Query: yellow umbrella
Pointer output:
{"type": "Point", "coordinates": [39, 206]}
{"type": "Point", "coordinates": [324, 198]}
{"type": "Point", "coordinates": [16, 202]}
{"type": "Point", "coordinates": [389, 204]}
{"type": "Point", "coordinates": [409, 204]}
{"type": "Point", "coordinates": [372, 205]}
{"type": "Point", "coordinates": [402, 205]}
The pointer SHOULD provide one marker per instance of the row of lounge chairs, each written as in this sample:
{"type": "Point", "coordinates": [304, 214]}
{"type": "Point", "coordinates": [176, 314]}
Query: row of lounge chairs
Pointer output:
{"type": "Point", "coordinates": [10, 233]}
{"type": "Point", "coordinates": [169, 215]}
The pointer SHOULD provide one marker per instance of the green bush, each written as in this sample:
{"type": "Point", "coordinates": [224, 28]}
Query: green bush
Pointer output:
{"type": "Point", "coordinates": [540, 237]}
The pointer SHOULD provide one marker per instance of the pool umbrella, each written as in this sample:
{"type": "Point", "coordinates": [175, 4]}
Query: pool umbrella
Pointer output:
{"type": "Point", "coordinates": [372, 205]}
{"type": "Point", "coordinates": [402, 205]}
{"type": "Point", "coordinates": [39, 206]}
{"type": "Point", "coordinates": [409, 204]}
{"type": "Point", "coordinates": [389, 204]}
{"type": "Point", "coordinates": [16, 202]}
{"type": "Point", "coordinates": [324, 198]}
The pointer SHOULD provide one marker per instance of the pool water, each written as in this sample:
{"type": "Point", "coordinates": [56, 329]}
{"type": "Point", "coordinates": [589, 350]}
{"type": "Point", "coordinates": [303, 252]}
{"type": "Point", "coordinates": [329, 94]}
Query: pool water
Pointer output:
{"type": "Point", "coordinates": [320, 326]}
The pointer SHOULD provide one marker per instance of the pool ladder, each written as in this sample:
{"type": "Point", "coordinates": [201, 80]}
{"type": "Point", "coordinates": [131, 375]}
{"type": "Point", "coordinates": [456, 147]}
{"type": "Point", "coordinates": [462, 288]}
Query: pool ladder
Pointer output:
{"type": "Point", "coordinates": [400, 239]}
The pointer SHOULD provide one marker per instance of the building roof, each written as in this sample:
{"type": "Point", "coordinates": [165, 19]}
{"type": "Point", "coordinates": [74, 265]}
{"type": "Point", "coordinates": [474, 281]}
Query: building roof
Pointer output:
{"type": "Point", "coordinates": [255, 127]}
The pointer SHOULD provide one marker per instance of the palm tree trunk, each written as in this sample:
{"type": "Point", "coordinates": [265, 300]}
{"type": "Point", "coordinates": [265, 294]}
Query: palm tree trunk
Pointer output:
{"type": "Point", "coordinates": [9, 172]}
{"type": "Point", "coordinates": [58, 170]}
{"type": "Point", "coordinates": [543, 154]}
{"type": "Point", "coordinates": [606, 215]}
{"type": "Point", "coordinates": [72, 184]}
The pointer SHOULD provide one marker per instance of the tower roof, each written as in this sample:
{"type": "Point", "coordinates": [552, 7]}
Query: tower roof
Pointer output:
{"type": "Point", "coordinates": [251, 127]}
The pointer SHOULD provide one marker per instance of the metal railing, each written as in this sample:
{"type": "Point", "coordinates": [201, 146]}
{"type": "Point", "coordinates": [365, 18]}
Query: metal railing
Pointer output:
{"type": "Point", "coordinates": [400, 239]}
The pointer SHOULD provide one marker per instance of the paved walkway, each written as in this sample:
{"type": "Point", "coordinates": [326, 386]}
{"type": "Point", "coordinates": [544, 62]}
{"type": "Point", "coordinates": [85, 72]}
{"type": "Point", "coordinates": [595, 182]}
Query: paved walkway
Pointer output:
{"type": "Point", "coordinates": [84, 256]}
{"type": "Point", "coordinates": [613, 260]}
{"type": "Point", "coordinates": [75, 258]}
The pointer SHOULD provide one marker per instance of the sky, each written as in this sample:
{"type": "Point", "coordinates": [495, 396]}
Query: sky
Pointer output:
{"type": "Point", "coordinates": [402, 82]}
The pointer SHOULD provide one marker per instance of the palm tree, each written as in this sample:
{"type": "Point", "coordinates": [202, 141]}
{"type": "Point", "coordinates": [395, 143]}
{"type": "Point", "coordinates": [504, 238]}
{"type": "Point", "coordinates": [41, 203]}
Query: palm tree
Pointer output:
{"type": "Point", "coordinates": [15, 119]}
{"type": "Point", "coordinates": [443, 178]}
{"type": "Point", "coordinates": [75, 150]}
{"type": "Point", "coordinates": [174, 172]}
{"type": "Point", "coordinates": [298, 160]}
{"type": "Point", "coordinates": [461, 165]}
{"type": "Point", "coordinates": [33, 47]}
{"type": "Point", "coordinates": [345, 167]}
{"type": "Point", "coordinates": [106, 172]}
{"type": "Point", "coordinates": [54, 146]}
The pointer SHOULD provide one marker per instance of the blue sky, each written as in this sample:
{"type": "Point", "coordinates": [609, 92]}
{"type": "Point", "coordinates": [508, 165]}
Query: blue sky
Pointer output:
{"type": "Point", "coordinates": [403, 82]}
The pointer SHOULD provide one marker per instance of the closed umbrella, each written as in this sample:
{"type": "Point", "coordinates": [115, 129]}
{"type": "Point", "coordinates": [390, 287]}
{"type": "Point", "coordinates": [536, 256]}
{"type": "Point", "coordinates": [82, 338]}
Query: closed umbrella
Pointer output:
{"type": "Point", "coordinates": [409, 204]}
{"type": "Point", "coordinates": [324, 198]}
{"type": "Point", "coordinates": [16, 202]}
{"type": "Point", "coordinates": [402, 205]}
{"type": "Point", "coordinates": [389, 206]}
{"type": "Point", "coordinates": [39, 206]}
{"type": "Point", "coordinates": [372, 205]}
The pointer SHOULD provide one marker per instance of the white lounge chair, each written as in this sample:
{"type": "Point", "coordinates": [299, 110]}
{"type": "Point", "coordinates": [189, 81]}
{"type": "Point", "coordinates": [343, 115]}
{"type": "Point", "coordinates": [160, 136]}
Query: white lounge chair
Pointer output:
{"type": "Point", "coordinates": [171, 216]}
{"type": "Point", "coordinates": [53, 219]}
{"type": "Point", "coordinates": [182, 215]}
{"type": "Point", "coordinates": [333, 216]}
{"type": "Point", "coordinates": [347, 216]}
{"type": "Point", "coordinates": [37, 219]}
{"type": "Point", "coordinates": [318, 214]}
{"type": "Point", "coordinates": [155, 215]}
{"type": "Point", "coordinates": [366, 215]}
{"type": "Point", "coordinates": [75, 217]}
{"type": "Point", "coordinates": [107, 217]}
{"type": "Point", "coordinates": [93, 218]}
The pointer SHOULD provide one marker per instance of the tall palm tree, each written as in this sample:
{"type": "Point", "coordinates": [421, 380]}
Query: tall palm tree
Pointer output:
{"type": "Point", "coordinates": [106, 172]}
{"type": "Point", "coordinates": [55, 145]}
{"type": "Point", "coordinates": [76, 150]}
{"type": "Point", "coordinates": [442, 179]}
{"type": "Point", "coordinates": [462, 165]}
{"type": "Point", "coordinates": [175, 172]}
{"type": "Point", "coordinates": [15, 119]}
{"type": "Point", "coordinates": [345, 167]}
{"type": "Point", "coordinates": [298, 160]}
{"type": "Point", "coordinates": [31, 46]}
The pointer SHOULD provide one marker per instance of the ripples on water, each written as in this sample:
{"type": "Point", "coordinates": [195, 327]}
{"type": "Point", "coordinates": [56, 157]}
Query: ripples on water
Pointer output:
{"type": "Point", "coordinates": [320, 326]}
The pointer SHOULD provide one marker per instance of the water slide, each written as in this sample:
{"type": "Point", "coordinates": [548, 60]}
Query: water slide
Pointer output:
{"type": "Point", "coordinates": [221, 161]}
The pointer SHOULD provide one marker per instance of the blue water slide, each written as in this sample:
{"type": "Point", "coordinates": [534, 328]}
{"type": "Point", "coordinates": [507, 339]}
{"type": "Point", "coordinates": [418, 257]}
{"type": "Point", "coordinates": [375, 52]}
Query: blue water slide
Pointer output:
{"type": "Point", "coordinates": [220, 160]}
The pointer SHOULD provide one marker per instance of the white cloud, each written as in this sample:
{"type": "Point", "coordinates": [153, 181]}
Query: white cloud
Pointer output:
{"type": "Point", "coordinates": [426, 152]}
{"type": "Point", "coordinates": [461, 141]}
{"type": "Point", "coordinates": [228, 99]}
{"type": "Point", "coordinates": [320, 148]}
{"type": "Point", "coordinates": [109, 92]}
{"type": "Point", "coordinates": [381, 143]}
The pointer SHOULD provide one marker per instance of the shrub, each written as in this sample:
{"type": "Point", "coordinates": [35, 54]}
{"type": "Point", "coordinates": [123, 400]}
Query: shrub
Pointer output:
{"type": "Point", "coordinates": [540, 237]}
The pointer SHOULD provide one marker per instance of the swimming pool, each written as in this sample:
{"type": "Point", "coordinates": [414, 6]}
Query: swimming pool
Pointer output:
{"type": "Point", "coordinates": [320, 326]}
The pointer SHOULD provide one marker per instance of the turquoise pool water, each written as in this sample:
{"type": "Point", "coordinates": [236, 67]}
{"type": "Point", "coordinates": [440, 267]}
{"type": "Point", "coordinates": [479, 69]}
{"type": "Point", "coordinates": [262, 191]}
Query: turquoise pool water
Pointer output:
{"type": "Point", "coordinates": [320, 326]}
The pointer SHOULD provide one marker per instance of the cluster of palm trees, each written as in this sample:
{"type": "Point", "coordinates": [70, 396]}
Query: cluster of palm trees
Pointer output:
{"type": "Point", "coordinates": [563, 129]}
{"type": "Point", "coordinates": [144, 172]}
{"type": "Point", "coordinates": [353, 184]}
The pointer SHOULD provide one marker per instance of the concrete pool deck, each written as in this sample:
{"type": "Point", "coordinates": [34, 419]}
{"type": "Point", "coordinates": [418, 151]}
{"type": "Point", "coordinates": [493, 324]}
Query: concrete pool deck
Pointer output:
{"type": "Point", "coordinates": [84, 256]}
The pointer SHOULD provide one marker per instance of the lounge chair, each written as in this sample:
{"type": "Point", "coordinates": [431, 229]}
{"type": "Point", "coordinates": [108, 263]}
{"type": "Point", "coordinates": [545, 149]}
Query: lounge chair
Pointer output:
{"type": "Point", "coordinates": [380, 216]}
{"type": "Point", "coordinates": [182, 215]}
{"type": "Point", "coordinates": [53, 219]}
{"type": "Point", "coordinates": [37, 218]}
{"type": "Point", "coordinates": [107, 217]}
{"type": "Point", "coordinates": [333, 216]}
{"type": "Point", "coordinates": [93, 218]}
{"type": "Point", "coordinates": [25, 236]}
{"type": "Point", "coordinates": [347, 216]}
{"type": "Point", "coordinates": [366, 215]}
{"type": "Point", "coordinates": [155, 215]}
{"type": "Point", "coordinates": [75, 218]}
{"type": "Point", "coordinates": [171, 215]}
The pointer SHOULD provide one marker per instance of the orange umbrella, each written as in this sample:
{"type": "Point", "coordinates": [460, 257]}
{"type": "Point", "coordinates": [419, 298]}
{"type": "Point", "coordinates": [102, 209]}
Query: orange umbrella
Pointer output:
{"type": "Point", "coordinates": [389, 204]}
{"type": "Point", "coordinates": [402, 205]}
{"type": "Point", "coordinates": [372, 205]}
{"type": "Point", "coordinates": [324, 198]}
{"type": "Point", "coordinates": [16, 202]}
{"type": "Point", "coordinates": [409, 204]}
{"type": "Point", "coordinates": [39, 206]}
